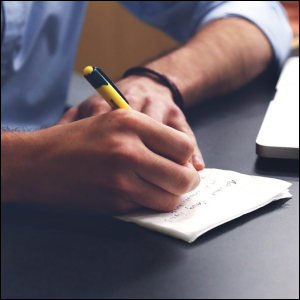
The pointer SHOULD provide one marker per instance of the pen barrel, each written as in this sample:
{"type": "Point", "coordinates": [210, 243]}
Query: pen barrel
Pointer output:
{"type": "Point", "coordinates": [105, 87]}
{"type": "Point", "coordinates": [112, 97]}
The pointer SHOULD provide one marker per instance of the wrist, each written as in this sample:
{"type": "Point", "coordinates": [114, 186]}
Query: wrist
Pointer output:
{"type": "Point", "coordinates": [17, 156]}
{"type": "Point", "coordinates": [159, 78]}
{"type": "Point", "coordinates": [138, 85]}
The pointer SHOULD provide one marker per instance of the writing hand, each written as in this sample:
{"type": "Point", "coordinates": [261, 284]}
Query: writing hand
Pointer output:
{"type": "Point", "coordinates": [112, 163]}
{"type": "Point", "coordinates": [148, 97]}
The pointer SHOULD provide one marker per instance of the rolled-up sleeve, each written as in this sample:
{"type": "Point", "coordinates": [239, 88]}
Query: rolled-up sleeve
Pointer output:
{"type": "Point", "coordinates": [182, 19]}
{"type": "Point", "coordinates": [2, 22]}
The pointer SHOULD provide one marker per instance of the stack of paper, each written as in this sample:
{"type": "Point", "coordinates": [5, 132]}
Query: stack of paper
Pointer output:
{"type": "Point", "coordinates": [220, 197]}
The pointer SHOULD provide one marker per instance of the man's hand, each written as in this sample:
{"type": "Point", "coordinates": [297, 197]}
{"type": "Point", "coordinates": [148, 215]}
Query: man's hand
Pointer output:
{"type": "Point", "coordinates": [112, 163]}
{"type": "Point", "coordinates": [148, 97]}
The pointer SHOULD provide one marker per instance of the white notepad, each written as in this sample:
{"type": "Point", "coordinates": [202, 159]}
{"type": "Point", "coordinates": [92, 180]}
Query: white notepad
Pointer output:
{"type": "Point", "coordinates": [220, 197]}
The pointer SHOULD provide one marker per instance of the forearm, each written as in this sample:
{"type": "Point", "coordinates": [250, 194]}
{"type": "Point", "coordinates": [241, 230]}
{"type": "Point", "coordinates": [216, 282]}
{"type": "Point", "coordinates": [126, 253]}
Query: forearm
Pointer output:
{"type": "Point", "coordinates": [221, 57]}
{"type": "Point", "coordinates": [79, 166]}
{"type": "Point", "coordinates": [16, 150]}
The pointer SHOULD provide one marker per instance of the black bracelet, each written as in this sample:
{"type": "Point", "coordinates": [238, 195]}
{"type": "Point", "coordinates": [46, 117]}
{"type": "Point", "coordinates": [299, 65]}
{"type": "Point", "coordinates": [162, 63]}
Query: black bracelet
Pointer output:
{"type": "Point", "coordinates": [160, 78]}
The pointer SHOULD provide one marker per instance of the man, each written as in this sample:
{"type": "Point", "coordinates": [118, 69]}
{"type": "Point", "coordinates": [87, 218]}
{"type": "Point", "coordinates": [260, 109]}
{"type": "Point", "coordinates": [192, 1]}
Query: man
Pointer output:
{"type": "Point", "coordinates": [115, 162]}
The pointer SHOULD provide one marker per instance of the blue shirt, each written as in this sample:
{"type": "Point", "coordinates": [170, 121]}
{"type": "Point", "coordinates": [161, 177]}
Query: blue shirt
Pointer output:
{"type": "Point", "coordinates": [39, 43]}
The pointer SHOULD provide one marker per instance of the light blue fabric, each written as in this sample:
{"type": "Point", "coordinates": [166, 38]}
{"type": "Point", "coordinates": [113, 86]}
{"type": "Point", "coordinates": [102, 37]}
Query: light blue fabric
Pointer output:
{"type": "Point", "coordinates": [182, 19]}
{"type": "Point", "coordinates": [41, 37]}
{"type": "Point", "coordinates": [37, 57]}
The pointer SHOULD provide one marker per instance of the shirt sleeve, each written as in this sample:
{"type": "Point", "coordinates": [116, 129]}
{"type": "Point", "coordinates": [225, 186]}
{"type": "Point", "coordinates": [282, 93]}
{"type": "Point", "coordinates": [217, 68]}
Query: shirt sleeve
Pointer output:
{"type": "Point", "coordinates": [13, 18]}
{"type": "Point", "coordinates": [182, 19]}
{"type": "Point", "coordinates": [2, 22]}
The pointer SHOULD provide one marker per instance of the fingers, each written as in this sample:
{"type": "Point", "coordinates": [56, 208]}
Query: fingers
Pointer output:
{"type": "Point", "coordinates": [164, 140]}
{"type": "Point", "coordinates": [135, 102]}
{"type": "Point", "coordinates": [174, 118]}
{"type": "Point", "coordinates": [141, 193]}
{"type": "Point", "coordinates": [155, 109]}
{"type": "Point", "coordinates": [93, 106]}
{"type": "Point", "coordinates": [165, 174]}
{"type": "Point", "coordinates": [178, 121]}
{"type": "Point", "coordinates": [151, 196]}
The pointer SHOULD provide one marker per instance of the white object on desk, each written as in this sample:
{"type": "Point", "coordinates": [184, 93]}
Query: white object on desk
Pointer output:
{"type": "Point", "coordinates": [279, 133]}
{"type": "Point", "coordinates": [220, 197]}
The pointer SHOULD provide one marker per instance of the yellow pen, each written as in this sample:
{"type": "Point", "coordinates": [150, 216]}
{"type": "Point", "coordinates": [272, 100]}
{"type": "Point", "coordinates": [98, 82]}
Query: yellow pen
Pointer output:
{"type": "Point", "coordinates": [105, 87]}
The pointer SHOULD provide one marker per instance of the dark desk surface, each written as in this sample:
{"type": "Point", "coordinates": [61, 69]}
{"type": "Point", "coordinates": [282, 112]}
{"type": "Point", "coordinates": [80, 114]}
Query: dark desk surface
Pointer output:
{"type": "Point", "coordinates": [46, 255]}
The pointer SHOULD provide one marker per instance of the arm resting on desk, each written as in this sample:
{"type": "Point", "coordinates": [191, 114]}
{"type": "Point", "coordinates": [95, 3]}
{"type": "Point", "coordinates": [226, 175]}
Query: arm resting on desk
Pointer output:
{"type": "Point", "coordinates": [220, 58]}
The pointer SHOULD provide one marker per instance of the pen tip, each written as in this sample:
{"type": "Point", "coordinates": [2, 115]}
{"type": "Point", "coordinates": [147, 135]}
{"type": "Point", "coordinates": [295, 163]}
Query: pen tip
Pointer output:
{"type": "Point", "coordinates": [87, 70]}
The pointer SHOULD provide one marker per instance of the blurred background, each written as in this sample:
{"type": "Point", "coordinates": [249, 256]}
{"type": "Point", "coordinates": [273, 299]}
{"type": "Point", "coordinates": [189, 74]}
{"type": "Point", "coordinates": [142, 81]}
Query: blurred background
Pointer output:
{"type": "Point", "coordinates": [115, 40]}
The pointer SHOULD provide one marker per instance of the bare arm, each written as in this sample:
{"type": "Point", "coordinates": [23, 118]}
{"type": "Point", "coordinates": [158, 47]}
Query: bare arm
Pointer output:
{"type": "Point", "coordinates": [221, 57]}
{"type": "Point", "coordinates": [14, 157]}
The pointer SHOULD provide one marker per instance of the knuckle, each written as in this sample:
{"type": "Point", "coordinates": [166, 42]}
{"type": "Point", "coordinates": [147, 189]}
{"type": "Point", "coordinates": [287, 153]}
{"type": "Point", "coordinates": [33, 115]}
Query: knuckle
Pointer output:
{"type": "Point", "coordinates": [131, 98]}
{"type": "Point", "coordinates": [120, 186]}
{"type": "Point", "coordinates": [126, 153]}
{"type": "Point", "coordinates": [126, 119]}
{"type": "Point", "coordinates": [187, 146]}
{"type": "Point", "coordinates": [150, 100]}
{"type": "Point", "coordinates": [119, 182]}
{"type": "Point", "coordinates": [175, 113]}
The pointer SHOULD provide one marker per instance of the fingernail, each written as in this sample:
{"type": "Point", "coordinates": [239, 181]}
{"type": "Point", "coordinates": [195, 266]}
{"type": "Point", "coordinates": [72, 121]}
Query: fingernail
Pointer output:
{"type": "Point", "coordinates": [198, 162]}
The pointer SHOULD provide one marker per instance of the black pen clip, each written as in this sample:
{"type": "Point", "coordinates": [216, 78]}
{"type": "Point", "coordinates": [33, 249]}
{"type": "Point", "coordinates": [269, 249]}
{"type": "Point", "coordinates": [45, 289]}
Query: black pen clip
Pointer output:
{"type": "Point", "coordinates": [110, 82]}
